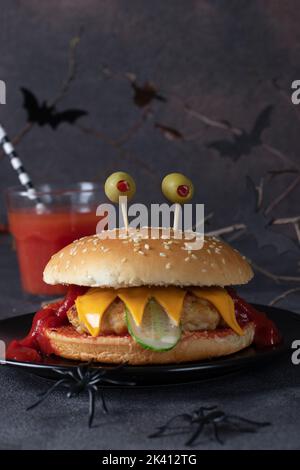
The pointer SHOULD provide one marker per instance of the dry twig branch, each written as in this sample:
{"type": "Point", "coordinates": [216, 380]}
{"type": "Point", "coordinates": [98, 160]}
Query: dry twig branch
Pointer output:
{"type": "Point", "coordinates": [284, 295]}
{"type": "Point", "coordinates": [212, 122]}
{"type": "Point", "coordinates": [72, 68]}
{"type": "Point", "coordinates": [228, 229]}
{"type": "Point", "coordinates": [278, 153]}
{"type": "Point", "coordinates": [260, 193]}
{"type": "Point", "coordinates": [286, 220]}
{"type": "Point", "coordinates": [297, 230]}
{"type": "Point", "coordinates": [283, 195]}
{"type": "Point", "coordinates": [236, 235]}
{"type": "Point", "coordinates": [275, 277]}
{"type": "Point", "coordinates": [133, 130]}
{"type": "Point", "coordinates": [114, 144]}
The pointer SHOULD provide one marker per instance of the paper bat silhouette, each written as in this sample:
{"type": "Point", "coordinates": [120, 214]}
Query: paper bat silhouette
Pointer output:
{"type": "Point", "coordinates": [243, 143]}
{"type": "Point", "coordinates": [260, 225]}
{"type": "Point", "coordinates": [143, 95]}
{"type": "Point", "coordinates": [42, 113]}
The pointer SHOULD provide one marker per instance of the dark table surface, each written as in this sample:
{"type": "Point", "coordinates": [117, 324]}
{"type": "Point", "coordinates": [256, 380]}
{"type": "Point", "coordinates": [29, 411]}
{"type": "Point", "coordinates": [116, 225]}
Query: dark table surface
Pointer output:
{"type": "Point", "coordinates": [268, 393]}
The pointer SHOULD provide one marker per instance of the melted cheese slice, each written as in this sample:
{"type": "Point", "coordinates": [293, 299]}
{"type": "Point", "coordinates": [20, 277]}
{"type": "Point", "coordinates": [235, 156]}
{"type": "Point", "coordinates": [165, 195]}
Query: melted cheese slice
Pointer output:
{"type": "Point", "coordinates": [136, 299]}
{"type": "Point", "coordinates": [222, 301]}
{"type": "Point", "coordinates": [171, 299]}
{"type": "Point", "coordinates": [92, 305]}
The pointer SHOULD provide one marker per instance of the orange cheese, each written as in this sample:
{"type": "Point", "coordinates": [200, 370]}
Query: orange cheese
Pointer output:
{"type": "Point", "coordinates": [222, 301]}
{"type": "Point", "coordinates": [171, 299]}
{"type": "Point", "coordinates": [135, 299]}
{"type": "Point", "coordinates": [92, 305]}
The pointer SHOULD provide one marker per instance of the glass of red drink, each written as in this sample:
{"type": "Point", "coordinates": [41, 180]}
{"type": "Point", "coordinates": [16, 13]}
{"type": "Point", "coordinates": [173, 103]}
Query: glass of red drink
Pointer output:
{"type": "Point", "coordinates": [68, 213]}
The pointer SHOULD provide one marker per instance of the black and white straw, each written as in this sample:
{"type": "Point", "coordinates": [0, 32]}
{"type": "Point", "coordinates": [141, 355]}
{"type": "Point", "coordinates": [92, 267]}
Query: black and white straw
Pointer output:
{"type": "Point", "coordinates": [18, 166]}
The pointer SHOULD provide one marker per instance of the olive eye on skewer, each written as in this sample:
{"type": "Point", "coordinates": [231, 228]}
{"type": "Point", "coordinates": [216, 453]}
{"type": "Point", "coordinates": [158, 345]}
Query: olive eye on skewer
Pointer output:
{"type": "Point", "coordinates": [177, 188]}
{"type": "Point", "coordinates": [119, 184]}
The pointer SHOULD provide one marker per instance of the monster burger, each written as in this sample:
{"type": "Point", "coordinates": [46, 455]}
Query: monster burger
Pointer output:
{"type": "Point", "coordinates": [141, 300]}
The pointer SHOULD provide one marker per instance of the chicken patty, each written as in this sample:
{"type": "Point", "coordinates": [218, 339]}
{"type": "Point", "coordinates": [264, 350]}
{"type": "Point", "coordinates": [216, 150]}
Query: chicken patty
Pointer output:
{"type": "Point", "coordinates": [197, 314]}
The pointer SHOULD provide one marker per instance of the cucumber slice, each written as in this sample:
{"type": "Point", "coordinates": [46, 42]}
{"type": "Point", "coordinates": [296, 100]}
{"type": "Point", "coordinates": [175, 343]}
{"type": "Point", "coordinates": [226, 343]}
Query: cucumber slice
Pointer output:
{"type": "Point", "coordinates": [157, 331]}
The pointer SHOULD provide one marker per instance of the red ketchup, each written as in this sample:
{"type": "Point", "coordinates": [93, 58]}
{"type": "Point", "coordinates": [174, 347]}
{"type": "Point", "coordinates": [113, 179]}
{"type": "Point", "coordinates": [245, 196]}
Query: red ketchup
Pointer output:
{"type": "Point", "coordinates": [266, 332]}
{"type": "Point", "coordinates": [36, 343]}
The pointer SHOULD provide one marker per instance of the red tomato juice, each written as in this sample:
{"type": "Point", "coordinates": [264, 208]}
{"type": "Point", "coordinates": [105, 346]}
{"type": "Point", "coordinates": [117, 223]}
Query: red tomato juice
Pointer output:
{"type": "Point", "coordinates": [39, 236]}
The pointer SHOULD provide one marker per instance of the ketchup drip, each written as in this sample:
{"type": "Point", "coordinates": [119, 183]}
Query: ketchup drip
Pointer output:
{"type": "Point", "coordinates": [36, 343]}
{"type": "Point", "coordinates": [266, 332]}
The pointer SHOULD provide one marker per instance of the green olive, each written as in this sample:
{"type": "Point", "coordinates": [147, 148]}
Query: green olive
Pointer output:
{"type": "Point", "coordinates": [177, 188]}
{"type": "Point", "coordinates": [119, 184]}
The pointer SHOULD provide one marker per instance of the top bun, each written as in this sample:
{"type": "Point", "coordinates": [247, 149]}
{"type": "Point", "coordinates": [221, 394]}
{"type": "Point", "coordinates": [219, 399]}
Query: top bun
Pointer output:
{"type": "Point", "coordinates": [135, 259]}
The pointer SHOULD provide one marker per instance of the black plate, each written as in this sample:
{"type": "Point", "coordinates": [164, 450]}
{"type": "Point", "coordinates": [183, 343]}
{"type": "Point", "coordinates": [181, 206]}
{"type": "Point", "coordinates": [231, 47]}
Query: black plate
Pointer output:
{"type": "Point", "coordinates": [287, 322]}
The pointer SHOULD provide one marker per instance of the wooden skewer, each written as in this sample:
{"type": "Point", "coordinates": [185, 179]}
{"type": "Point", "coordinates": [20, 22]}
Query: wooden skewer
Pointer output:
{"type": "Point", "coordinates": [123, 205]}
{"type": "Point", "coordinates": [176, 217]}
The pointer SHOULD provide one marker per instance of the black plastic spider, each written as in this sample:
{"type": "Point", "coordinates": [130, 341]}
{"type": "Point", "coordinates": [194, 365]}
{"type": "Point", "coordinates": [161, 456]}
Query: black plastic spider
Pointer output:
{"type": "Point", "coordinates": [83, 379]}
{"type": "Point", "coordinates": [203, 418]}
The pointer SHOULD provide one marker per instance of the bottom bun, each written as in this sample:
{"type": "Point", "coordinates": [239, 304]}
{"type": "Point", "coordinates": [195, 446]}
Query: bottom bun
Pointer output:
{"type": "Point", "coordinates": [67, 343]}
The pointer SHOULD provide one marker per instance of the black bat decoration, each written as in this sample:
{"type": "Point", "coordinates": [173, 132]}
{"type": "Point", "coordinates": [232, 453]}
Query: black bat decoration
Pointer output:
{"type": "Point", "coordinates": [145, 94]}
{"type": "Point", "coordinates": [243, 143]}
{"type": "Point", "coordinates": [43, 114]}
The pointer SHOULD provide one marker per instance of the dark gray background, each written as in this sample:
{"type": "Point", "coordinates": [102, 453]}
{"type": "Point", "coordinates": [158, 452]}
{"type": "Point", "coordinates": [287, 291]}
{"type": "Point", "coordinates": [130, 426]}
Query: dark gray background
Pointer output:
{"type": "Point", "coordinates": [219, 59]}
{"type": "Point", "coordinates": [225, 61]}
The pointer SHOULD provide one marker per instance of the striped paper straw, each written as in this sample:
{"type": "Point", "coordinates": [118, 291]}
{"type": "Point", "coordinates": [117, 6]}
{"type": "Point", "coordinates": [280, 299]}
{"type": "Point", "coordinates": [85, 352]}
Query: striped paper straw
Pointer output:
{"type": "Point", "coordinates": [18, 166]}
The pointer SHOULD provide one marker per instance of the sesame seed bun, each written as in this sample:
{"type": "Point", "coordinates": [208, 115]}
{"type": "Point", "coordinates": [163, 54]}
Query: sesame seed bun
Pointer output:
{"type": "Point", "coordinates": [193, 346]}
{"type": "Point", "coordinates": [135, 259]}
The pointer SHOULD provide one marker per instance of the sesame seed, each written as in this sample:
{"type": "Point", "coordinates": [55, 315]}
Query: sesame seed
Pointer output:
{"type": "Point", "coordinates": [168, 266]}
{"type": "Point", "coordinates": [194, 256]}
{"type": "Point", "coordinates": [123, 260]}
{"type": "Point", "coordinates": [187, 258]}
{"type": "Point", "coordinates": [162, 254]}
{"type": "Point", "coordinates": [84, 250]}
{"type": "Point", "coordinates": [140, 252]}
{"type": "Point", "coordinates": [166, 247]}
{"type": "Point", "coordinates": [146, 246]}
{"type": "Point", "coordinates": [223, 261]}
{"type": "Point", "coordinates": [208, 251]}
{"type": "Point", "coordinates": [203, 270]}
{"type": "Point", "coordinates": [61, 255]}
